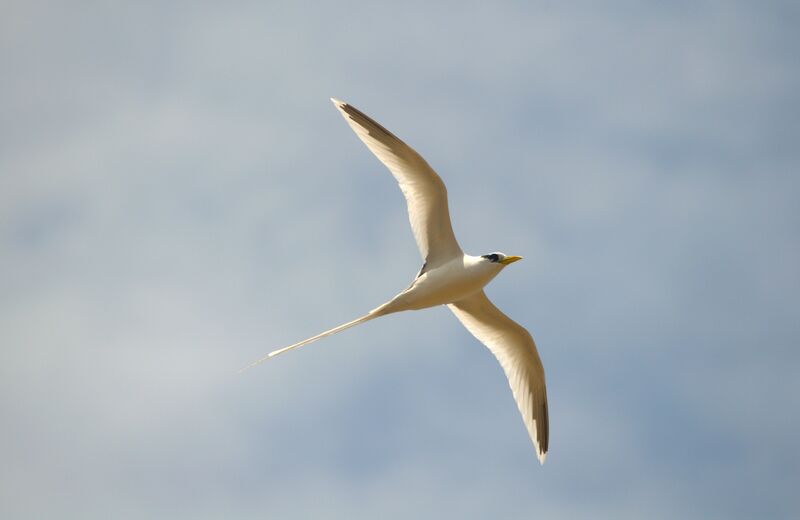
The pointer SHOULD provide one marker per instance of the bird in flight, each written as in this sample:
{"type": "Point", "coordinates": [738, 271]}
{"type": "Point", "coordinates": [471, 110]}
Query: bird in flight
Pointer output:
{"type": "Point", "coordinates": [450, 277]}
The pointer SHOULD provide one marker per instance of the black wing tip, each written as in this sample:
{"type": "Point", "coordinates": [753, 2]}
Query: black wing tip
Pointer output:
{"type": "Point", "coordinates": [544, 437]}
{"type": "Point", "coordinates": [360, 117]}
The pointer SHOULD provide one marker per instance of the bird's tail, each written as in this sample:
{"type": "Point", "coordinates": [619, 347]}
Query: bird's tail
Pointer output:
{"type": "Point", "coordinates": [375, 313]}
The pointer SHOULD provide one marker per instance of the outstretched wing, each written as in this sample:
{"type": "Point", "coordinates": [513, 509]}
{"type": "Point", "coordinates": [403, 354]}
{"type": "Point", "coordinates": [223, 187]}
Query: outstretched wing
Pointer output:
{"type": "Point", "coordinates": [423, 189]}
{"type": "Point", "coordinates": [514, 348]}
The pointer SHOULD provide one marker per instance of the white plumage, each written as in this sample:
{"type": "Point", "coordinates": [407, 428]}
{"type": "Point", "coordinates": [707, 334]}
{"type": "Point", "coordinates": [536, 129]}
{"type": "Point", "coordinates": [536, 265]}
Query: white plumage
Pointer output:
{"type": "Point", "coordinates": [450, 277]}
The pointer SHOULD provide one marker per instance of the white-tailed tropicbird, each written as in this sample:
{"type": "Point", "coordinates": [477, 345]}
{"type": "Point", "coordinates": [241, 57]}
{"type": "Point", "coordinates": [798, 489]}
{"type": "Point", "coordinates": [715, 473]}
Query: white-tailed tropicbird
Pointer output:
{"type": "Point", "coordinates": [450, 277]}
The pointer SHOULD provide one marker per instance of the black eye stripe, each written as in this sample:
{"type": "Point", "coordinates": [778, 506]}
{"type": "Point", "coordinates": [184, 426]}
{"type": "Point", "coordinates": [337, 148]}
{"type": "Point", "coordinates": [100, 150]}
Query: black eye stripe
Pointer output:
{"type": "Point", "coordinates": [492, 257]}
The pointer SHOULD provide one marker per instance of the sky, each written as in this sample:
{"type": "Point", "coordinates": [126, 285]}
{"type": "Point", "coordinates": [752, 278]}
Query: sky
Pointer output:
{"type": "Point", "coordinates": [178, 197]}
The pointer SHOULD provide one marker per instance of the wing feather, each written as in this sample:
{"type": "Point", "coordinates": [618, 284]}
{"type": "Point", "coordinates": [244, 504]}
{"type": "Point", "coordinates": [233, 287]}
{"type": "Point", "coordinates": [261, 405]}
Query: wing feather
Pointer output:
{"type": "Point", "coordinates": [425, 193]}
{"type": "Point", "coordinates": [514, 348]}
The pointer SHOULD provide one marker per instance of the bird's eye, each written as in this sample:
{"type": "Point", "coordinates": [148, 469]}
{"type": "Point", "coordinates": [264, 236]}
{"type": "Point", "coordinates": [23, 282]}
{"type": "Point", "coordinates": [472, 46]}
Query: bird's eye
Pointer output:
{"type": "Point", "coordinates": [492, 258]}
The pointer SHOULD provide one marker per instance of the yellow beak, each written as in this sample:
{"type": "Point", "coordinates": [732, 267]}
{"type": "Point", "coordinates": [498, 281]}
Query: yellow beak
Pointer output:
{"type": "Point", "coordinates": [510, 260]}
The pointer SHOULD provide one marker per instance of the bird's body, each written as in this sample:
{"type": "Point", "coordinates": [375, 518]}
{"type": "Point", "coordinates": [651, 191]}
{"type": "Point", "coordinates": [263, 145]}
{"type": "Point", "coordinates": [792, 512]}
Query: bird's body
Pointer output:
{"type": "Point", "coordinates": [462, 276]}
{"type": "Point", "coordinates": [450, 277]}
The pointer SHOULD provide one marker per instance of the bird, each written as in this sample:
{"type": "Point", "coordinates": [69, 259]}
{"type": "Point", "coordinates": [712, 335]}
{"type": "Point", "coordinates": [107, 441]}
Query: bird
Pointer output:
{"type": "Point", "coordinates": [450, 277]}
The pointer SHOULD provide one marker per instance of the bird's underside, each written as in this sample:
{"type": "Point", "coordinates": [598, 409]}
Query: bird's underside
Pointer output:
{"type": "Point", "coordinates": [449, 277]}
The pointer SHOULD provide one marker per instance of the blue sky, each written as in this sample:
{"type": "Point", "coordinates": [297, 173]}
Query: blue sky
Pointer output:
{"type": "Point", "coordinates": [178, 197]}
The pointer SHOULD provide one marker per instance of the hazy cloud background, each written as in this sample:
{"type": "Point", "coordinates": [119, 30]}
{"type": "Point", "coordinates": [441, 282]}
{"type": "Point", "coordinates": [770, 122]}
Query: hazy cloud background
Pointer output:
{"type": "Point", "coordinates": [178, 197]}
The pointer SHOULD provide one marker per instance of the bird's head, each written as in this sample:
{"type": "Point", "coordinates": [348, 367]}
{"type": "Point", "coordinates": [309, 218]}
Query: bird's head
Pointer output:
{"type": "Point", "coordinates": [500, 258]}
